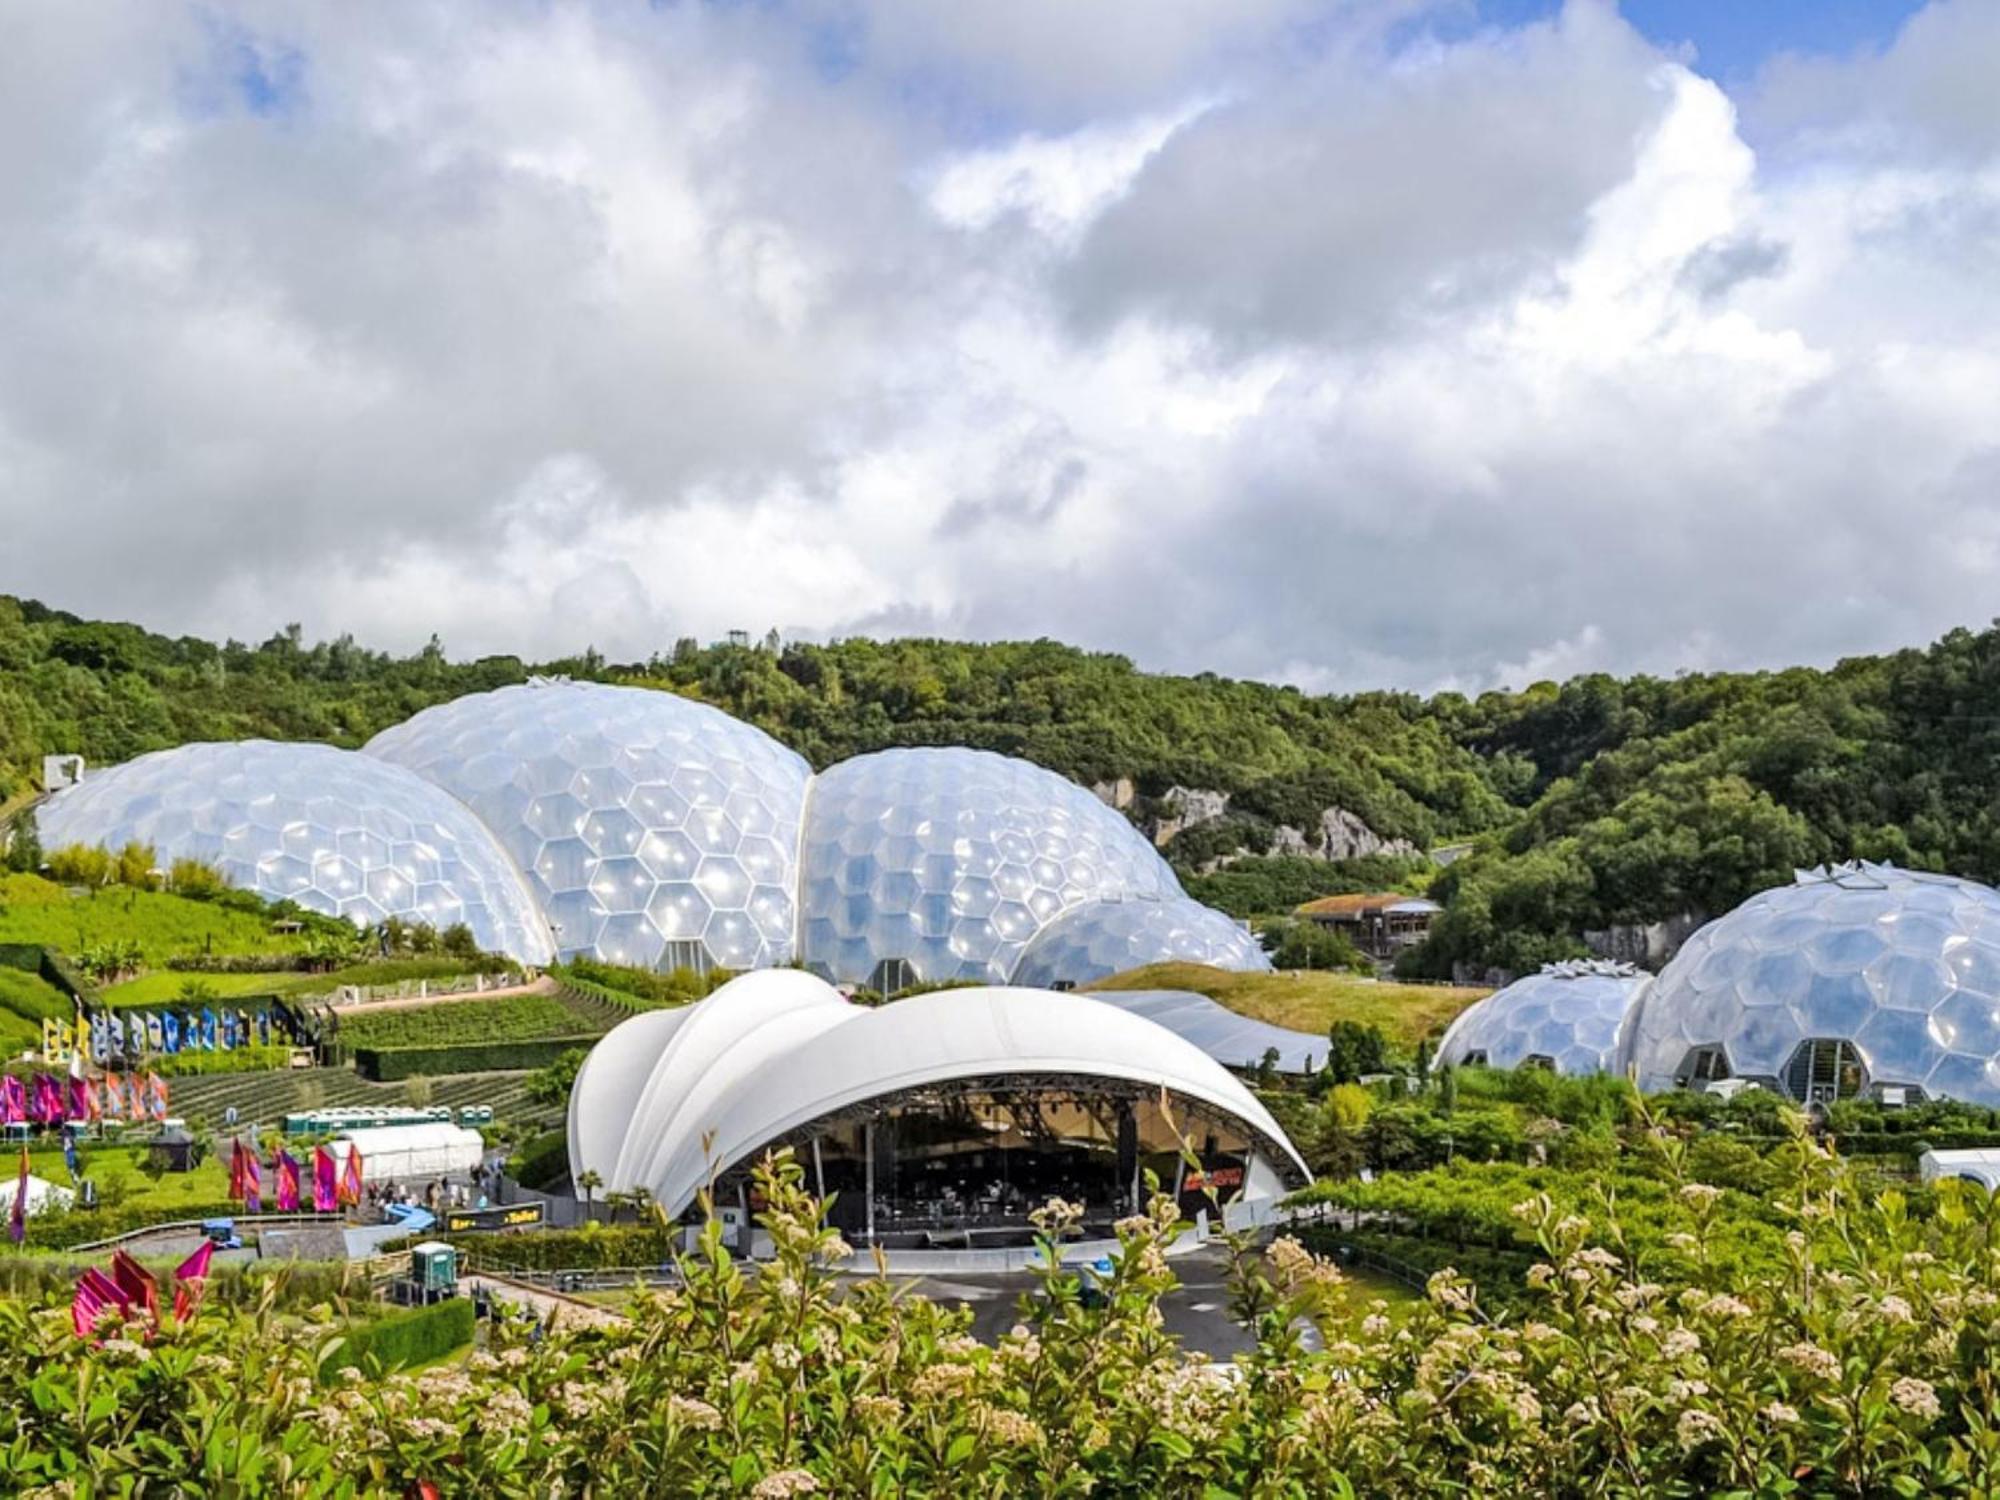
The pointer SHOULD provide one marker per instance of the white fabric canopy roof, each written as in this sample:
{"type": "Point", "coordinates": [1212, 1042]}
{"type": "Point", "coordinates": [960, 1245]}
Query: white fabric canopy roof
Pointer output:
{"type": "Point", "coordinates": [668, 1097]}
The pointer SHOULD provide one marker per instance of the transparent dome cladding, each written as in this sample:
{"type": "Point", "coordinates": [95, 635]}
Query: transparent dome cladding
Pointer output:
{"type": "Point", "coordinates": [1102, 938]}
{"type": "Point", "coordinates": [951, 861]}
{"type": "Point", "coordinates": [1567, 1015]}
{"type": "Point", "coordinates": [336, 831]}
{"type": "Point", "coordinates": [1904, 966]}
{"type": "Point", "coordinates": [656, 831]}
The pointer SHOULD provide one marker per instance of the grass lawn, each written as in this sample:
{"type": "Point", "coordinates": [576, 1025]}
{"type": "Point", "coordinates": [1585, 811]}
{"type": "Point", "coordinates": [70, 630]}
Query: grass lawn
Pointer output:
{"type": "Point", "coordinates": [34, 910]}
{"type": "Point", "coordinates": [164, 986]}
{"type": "Point", "coordinates": [1311, 1002]}
{"type": "Point", "coordinates": [121, 1180]}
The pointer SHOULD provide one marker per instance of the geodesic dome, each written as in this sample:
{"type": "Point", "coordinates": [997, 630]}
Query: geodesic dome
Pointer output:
{"type": "Point", "coordinates": [1111, 936]}
{"type": "Point", "coordinates": [654, 830]}
{"type": "Point", "coordinates": [1850, 980]}
{"type": "Point", "coordinates": [935, 864]}
{"type": "Point", "coordinates": [337, 832]}
{"type": "Point", "coordinates": [1564, 1018]}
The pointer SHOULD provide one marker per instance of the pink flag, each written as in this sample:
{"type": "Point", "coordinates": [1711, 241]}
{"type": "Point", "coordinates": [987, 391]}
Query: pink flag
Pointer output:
{"type": "Point", "coordinates": [137, 1283]}
{"type": "Point", "coordinates": [190, 1279]}
{"type": "Point", "coordinates": [326, 1192]}
{"type": "Point", "coordinates": [13, 1100]}
{"type": "Point", "coordinates": [17, 1224]}
{"type": "Point", "coordinates": [288, 1182]}
{"type": "Point", "coordinates": [96, 1295]}
{"type": "Point", "coordinates": [48, 1106]}
{"type": "Point", "coordinates": [253, 1184]}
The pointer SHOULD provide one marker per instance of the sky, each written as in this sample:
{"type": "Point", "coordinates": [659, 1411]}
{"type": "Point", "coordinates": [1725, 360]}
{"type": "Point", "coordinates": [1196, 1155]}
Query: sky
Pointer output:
{"type": "Point", "coordinates": [1346, 343]}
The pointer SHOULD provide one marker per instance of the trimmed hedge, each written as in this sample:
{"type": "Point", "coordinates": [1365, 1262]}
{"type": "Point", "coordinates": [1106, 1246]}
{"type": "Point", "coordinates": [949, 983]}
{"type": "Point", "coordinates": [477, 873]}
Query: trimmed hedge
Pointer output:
{"type": "Point", "coordinates": [63, 1231]}
{"type": "Point", "coordinates": [387, 1064]}
{"type": "Point", "coordinates": [403, 1338]}
{"type": "Point", "coordinates": [595, 1246]}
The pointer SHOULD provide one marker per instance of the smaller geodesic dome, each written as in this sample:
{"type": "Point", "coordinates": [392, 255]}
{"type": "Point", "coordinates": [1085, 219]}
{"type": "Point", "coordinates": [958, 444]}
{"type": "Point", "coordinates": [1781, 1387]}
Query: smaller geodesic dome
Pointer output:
{"type": "Point", "coordinates": [940, 863]}
{"type": "Point", "coordinates": [336, 831]}
{"type": "Point", "coordinates": [1854, 979]}
{"type": "Point", "coordinates": [1113, 936]}
{"type": "Point", "coordinates": [1565, 1018]}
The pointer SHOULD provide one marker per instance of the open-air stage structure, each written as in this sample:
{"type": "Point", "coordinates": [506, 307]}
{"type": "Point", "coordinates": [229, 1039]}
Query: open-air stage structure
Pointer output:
{"type": "Point", "coordinates": [939, 1121]}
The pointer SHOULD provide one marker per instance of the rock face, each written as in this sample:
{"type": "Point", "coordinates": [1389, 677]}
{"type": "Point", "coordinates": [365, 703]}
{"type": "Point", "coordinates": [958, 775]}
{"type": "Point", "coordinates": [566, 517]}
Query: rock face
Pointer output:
{"type": "Point", "coordinates": [1648, 944]}
{"type": "Point", "coordinates": [1339, 834]}
{"type": "Point", "coordinates": [1185, 807]}
{"type": "Point", "coordinates": [1118, 794]}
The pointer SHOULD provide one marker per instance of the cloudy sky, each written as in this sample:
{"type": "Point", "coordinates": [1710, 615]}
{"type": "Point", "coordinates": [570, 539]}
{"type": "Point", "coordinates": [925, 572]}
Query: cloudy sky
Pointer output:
{"type": "Point", "coordinates": [1342, 342]}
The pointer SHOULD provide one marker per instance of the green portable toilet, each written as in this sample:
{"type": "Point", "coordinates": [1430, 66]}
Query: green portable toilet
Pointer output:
{"type": "Point", "coordinates": [434, 1266]}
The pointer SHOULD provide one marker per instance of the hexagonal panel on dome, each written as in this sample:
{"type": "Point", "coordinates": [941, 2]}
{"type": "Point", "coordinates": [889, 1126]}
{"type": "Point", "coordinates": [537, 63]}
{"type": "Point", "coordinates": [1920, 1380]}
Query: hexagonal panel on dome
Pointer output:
{"type": "Point", "coordinates": [629, 809]}
{"type": "Point", "coordinates": [336, 831]}
{"type": "Point", "coordinates": [1566, 1017]}
{"type": "Point", "coordinates": [1903, 965]}
{"type": "Point", "coordinates": [1101, 938]}
{"type": "Point", "coordinates": [1007, 845]}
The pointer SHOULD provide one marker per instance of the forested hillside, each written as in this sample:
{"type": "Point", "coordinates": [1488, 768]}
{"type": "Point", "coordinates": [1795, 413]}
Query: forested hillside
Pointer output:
{"type": "Point", "coordinates": [1593, 802]}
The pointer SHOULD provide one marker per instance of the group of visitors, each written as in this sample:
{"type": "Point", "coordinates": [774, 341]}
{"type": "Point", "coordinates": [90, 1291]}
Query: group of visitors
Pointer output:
{"type": "Point", "coordinates": [436, 1196]}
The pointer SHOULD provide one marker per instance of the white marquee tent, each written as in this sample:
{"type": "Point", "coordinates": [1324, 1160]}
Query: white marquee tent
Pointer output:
{"type": "Point", "coordinates": [410, 1153]}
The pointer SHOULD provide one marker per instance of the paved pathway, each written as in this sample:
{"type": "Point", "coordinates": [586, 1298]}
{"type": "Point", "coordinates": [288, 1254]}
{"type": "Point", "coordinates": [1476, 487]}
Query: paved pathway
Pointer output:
{"type": "Point", "coordinates": [568, 1312]}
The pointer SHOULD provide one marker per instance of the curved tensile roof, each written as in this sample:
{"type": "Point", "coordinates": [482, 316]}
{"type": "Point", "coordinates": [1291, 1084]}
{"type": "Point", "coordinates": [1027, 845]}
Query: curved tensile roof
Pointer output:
{"type": "Point", "coordinates": [662, 1104]}
{"type": "Point", "coordinates": [338, 832]}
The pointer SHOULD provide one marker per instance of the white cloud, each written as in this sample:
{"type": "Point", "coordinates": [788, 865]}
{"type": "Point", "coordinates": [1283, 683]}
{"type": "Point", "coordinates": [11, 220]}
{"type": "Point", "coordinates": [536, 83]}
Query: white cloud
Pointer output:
{"type": "Point", "coordinates": [1362, 359]}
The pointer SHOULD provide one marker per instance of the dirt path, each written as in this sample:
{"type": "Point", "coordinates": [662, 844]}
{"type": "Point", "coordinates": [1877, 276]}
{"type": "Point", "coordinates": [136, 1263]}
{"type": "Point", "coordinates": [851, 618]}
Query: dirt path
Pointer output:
{"type": "Point", "coordinates": [542, 986]}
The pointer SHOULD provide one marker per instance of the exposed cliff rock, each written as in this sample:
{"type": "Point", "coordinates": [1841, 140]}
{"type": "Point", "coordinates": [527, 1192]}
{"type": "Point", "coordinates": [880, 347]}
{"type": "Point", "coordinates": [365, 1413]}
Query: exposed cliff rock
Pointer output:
{"type": "Point", "coordinates": [1203, 830]}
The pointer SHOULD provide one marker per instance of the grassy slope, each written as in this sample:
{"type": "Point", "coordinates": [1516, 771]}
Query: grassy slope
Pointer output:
{"type": "Point", "coordinates": [33, 910]}
{"type": "Point", "coordinates": [1310, 1002]}
{"type": "Point", "coordinates": [164, 986]}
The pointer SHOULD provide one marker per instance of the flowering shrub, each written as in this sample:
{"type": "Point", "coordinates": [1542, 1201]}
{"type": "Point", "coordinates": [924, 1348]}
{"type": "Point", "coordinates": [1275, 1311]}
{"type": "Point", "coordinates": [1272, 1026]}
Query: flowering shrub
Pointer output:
{"type": "Point", "coordinates": [1864, 1365]}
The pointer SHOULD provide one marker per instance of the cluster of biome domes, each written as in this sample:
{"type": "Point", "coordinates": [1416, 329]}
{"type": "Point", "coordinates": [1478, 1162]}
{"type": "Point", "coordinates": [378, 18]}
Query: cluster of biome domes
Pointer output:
{"type": "Point", "coordinates": [564, 819]}
{"type": "Point", "coordinates": [1858, 980]}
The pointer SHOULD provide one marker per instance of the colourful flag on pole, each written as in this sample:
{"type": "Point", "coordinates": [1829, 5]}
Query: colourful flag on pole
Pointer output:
{"type": "Point", "coordinates": [159, 1091]}
{"type": "Point", "coordinates": [253, 1183]}
{"type": "Point", "coordinates": [17, 1223]}
{"type": "Point", "coordinates": [350, 1176]}
{"type": "Point", "coordinates": [96, 1295]}
{"type": "Point", "coordinates": [326, 1188]}
{"type": "Point", "coordinates": [136, 1282]}
{"type": "Point", "coordinates": [190, 1280]}
{"type": "Point", "coordinates": [288, 1182]}
{"type": "Point", "coordinates": [79, 1099]}
{"type": "Point", "coordinates": [236, 1169]}
{"type": "Point", "coordinates": [70, 1158]}
{"type": "Point", "coordinates": [13, 1100]}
